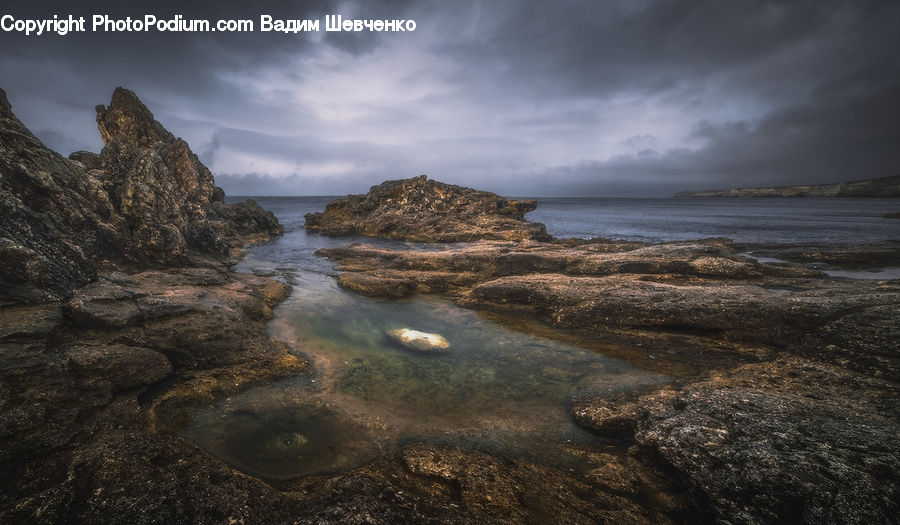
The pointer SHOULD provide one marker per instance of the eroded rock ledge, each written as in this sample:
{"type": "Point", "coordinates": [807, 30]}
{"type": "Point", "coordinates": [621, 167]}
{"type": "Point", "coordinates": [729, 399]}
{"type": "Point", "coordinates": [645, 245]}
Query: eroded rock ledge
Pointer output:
{"type": "Point", "coordinates": [801, 434]}
{"type": "Point", "coordinates": [701, 287]}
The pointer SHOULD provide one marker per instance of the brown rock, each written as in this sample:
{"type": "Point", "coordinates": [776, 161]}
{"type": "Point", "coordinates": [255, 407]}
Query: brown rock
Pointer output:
{"type": "Point", "coordinates": [124, 366]}
{"type": "Point", "coordinates": [146, 199]}
{"type": "Point", "coordinates": [86, 385]}
{"type": "Point", "coordinates": [843, 255]}
{"type": "Point", "coordinates": [699, 287]}
{"type": "Point", "coordinates": [129, 119]}
{"type": "Point", "coordinates": [788, 441]}
{"type": "Point", "coordinates": [424, 210]}
{"type": "Point", "coordinates": [499, 487]}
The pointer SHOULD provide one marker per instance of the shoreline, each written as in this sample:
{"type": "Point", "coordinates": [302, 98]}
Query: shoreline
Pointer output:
{"type": "Point", "coordinates": [817, 336]}
{"type": "Point", "coordinates": [113, 338]}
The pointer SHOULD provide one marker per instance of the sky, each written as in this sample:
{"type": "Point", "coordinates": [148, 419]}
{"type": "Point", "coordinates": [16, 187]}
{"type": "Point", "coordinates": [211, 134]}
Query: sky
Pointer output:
{"type": "Point", "coordinates": [624, 98]}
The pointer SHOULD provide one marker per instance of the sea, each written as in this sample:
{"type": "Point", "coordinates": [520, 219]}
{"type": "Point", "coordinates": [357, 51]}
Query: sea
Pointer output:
{"type": "Point", "coordinates": [787, 221]}
{"type": "Point", "coordinates": [800, 220]}
{"type": "Point", "coordinates": [505, 385]}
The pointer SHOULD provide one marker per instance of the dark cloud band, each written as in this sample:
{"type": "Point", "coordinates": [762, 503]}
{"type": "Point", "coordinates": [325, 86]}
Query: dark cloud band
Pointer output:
{"type": "Point", "coordinates": [562, 98]}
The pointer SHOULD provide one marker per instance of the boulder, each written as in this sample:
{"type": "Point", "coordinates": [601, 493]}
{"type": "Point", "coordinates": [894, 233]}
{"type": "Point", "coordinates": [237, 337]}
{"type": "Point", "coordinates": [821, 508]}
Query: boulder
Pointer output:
{"type": "Point", "coordinates": [418, 341]}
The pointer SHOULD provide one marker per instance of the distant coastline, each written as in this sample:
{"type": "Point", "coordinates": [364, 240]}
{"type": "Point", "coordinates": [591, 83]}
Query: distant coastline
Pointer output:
{"type": "Point", "coordinates": [881, 187]}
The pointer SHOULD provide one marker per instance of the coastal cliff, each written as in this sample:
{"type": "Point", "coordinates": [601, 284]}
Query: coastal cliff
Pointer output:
{"type": "Point", "coordinates": [881, 187]}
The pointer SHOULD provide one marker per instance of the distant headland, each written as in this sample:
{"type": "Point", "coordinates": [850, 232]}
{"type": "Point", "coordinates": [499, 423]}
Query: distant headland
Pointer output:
{"type": "Point", "coordinates": [881, 187]}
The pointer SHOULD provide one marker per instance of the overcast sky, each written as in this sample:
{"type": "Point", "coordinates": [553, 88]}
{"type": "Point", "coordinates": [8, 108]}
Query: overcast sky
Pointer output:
{"type": "Point", "coordinates": [540, 98]}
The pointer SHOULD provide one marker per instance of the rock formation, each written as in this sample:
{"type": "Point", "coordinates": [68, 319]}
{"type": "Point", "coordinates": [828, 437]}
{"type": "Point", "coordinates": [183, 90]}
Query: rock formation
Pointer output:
{"type": "Point", "coordinates": [145, 199]}
{"type": "Point", "coordinates": [105, 340]}
{"type": "Point", "coordinates": [791, 440]}
{"type": "Point", "coordinates": [425, 210]}
{"type": "Point", "coordinates": [801, 434]}
{"type": "Point", "coordinates": [119, 315]}
{"type": "Point", "coordinates": [701, 287]}
{"type": "Point", "coordinates": [93, 386]}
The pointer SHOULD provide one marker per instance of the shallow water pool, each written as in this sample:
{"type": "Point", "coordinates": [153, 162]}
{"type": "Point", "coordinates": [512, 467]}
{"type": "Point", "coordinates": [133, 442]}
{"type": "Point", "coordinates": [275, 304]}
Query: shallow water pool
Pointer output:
{"type": "Point", "coordinates": [495, 388]}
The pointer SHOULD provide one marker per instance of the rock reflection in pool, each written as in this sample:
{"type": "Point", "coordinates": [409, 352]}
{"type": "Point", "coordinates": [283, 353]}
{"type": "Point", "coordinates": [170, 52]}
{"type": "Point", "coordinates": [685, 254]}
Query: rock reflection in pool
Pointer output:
{"type": "Point", "coordinates": [498, 389]}
{"type": "Point", "coordinates": [281, 443]}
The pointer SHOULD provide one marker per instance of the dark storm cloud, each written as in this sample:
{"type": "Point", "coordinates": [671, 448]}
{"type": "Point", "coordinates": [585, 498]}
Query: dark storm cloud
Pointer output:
{"type": "Point", "coordinates": [558, 98]}
{"type": "Point", "coordinates": [837, 136]}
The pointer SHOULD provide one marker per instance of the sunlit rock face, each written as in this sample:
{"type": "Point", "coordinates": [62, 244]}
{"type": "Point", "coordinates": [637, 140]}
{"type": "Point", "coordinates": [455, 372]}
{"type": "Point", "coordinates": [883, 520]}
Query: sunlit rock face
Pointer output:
{"type": "Point", "coordinates": [166, 196]}
{"type": "Point", "coordinates": [425, 210]}
{"type": "Point", "coordinates": [145, 199]}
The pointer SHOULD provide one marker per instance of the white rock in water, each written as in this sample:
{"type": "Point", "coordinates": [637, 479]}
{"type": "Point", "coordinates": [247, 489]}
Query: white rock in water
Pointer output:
{"type": "Point", "coordinates": [416, 340]}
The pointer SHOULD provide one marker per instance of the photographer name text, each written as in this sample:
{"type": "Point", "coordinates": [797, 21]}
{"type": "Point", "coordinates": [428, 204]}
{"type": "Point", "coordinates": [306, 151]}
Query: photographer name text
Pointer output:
{"type": "Point", "coordinates": [179, 24]}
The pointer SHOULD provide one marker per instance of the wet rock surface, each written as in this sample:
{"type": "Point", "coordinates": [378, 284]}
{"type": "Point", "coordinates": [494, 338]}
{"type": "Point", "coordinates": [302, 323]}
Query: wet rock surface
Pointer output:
{"type": "Point", "coordinates": [89, 384]}
{"type": "Point", "coordinates": [705, 288]}
{"type": "Point", "coordinates": [106, 339]}
{"type": "Point", "coordinates": [789, 440]}
{"type": "Point", "coordinates": [419, 341]}
{"type": "Point", "coordinates": [871, 255]}
{"type": "Point", "coordinates": [802, 435]}
{"type": "Point", "coordinates": [434, 484]}
{"type": "Point", "coordinates": [425, 210]}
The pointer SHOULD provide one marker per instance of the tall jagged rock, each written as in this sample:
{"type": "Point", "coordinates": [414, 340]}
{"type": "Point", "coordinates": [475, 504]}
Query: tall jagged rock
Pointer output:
{"type": "Point", "coordinates": [129, 119]}
{"type": "Point", "coordinates": [419, 209]}
{"type": "Point", "coordinates": [146, 199]}
{"type": "Point", "coordinates": [56, 216]}
{"type": "Point", "coordinates": [166, 196]}
{"type": "Point", "coordinates": [161, 192]}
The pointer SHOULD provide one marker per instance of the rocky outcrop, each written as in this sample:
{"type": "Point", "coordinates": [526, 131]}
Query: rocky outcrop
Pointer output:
{"type": "Point", "coordinates": [55, 217]}
{"type": "Point", "coordinates": [702, 288]}
{"type": "Point", "coordinates": [803, 434]}
{"type": "Point", "coordinates": [96, 389]}
{"type": "Point", "coordinates": [842, 255]}
{"type": "Point", "coordinates": [144, 200]}
{"type": "Point", "coordinates": [881, 187]}
{"type": "Point", "coordinates": [425, 210]}
{"type": "Point", "coordinates": [800, 439]}
{"type": "Point", "coordinates": [102, 360]}
{"type": "Point", "coordinates": [93, 388]}
{"type": "Point", "coordinates": [790, 440]}
{"type": "Point", "coordinates": [102, 350]}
